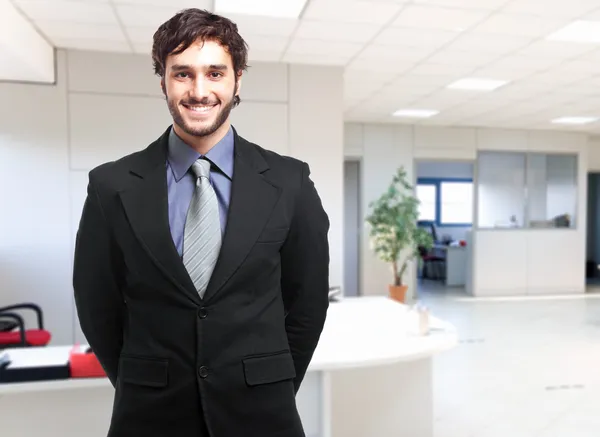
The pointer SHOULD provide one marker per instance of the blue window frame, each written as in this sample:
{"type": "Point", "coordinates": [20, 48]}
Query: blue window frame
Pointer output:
{"type": "Point", "coordinates": [446, 201]}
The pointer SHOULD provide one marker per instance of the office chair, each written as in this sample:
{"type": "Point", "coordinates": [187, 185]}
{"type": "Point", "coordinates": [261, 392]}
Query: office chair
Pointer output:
{"type": "Point", "coordinates": [10, 336]}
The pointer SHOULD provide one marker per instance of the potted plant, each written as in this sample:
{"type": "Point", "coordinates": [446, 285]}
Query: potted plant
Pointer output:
{"type": "Point", "coordinates": [395, 235]}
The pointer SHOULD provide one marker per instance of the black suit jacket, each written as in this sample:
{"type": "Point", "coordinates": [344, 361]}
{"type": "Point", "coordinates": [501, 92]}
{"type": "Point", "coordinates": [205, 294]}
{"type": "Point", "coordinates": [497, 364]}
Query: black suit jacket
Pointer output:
{"type": "Point", "coordinates": [232, 361]}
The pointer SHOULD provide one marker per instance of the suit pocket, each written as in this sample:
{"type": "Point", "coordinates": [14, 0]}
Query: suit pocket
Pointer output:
{"type": "Point", "coordinates": [151, 372]}
{"type": "Point", "coordinates": [266, 369]}
{"type": "Point", "coordinates": [273, 235]}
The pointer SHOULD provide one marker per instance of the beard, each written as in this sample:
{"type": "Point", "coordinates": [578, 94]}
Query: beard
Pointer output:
{"type": "Point", "coordinates": [202, 130]}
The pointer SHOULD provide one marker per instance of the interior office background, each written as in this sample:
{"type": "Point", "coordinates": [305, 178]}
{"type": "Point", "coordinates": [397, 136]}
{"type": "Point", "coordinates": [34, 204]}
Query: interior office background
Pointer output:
{"type": "Point", "coordinates": [104, 106]}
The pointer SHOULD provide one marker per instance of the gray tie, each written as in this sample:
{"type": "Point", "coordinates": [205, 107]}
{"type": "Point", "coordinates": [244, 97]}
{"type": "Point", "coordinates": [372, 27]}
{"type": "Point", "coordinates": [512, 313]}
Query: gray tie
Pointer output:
{"type": "Point", "coordinates": [202, 234]}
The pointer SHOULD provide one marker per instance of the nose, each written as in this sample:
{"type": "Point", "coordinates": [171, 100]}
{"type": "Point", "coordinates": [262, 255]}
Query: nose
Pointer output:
{"type": "Point", "coordinates": [200, 88]}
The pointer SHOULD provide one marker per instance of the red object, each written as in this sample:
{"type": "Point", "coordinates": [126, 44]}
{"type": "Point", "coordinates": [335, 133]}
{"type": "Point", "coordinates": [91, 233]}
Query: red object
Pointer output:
{"type": "Point", "coordinates": [85, 365]}
{"type": "Point", "coordinates": [33, 337]}
{"type": "Point", "coordinates": [463, 243]}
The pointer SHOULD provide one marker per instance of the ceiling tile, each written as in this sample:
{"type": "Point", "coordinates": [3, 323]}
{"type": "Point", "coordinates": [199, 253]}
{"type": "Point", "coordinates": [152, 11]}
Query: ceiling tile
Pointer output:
{"type": "Point", "coordinates": [264, 43]}
{"type": "Point", "coordinates": [455, 57]}
{"type": "Point", "coordinates": [488, 44]}
{"type": "Point", "coordinates": [426, 38]}
{"type": "Point", "coordinates": [300, 46]}
{"type": "Point", "coordinates": [145, 16]}
{"type": "Point", "coordinates": [450, 70]}
{"type": "Point", "coordinates": [181, 4]}
{"type": "Point", "coordinates": [368, 75]}
{"type": "Point", "coordinates": [432, 17]}
{"type": "Point", "coordinates": [488, 5]}
{"type": "Point", "coordinates": [142, 48]}
{"type": "Point", "coordinates": [521, 62]}
{"type": "Point", "coordinates": [60, 30]}
{"type": "Point", "coordinates": [552, 49]}
{"type": "Point", "coordinates": [94, 45]}
{"type": "Point", "coordinates": [389, 54]}
{"type": "Point", "coordinates": [546, 8]}
{"type": "Point", "coordinates": [520, 25]}
{"type": "Point", "coordinates": [264, 25]}
{"type": "Point", "coordinates": [59, 10]}
{"type": "Point", "coordinates": [140, 34]}
{"type": "Point", "coordinates": [264, 56]}
{"type": "Point", "coordinates": [351, 11]}
{"type": "Point", "coordinates": [315, 59]}
{"type": "Point", "coordinates": [330, 31]}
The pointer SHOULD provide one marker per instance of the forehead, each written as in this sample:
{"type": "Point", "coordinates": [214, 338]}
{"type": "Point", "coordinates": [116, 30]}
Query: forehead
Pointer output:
{"type": "Point", "coordinates": [202, 53]}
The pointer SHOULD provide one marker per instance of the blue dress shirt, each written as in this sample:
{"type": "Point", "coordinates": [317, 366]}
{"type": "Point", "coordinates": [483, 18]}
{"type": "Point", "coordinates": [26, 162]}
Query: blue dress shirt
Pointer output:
{"type": "Point", "coordinates": [181, 182]}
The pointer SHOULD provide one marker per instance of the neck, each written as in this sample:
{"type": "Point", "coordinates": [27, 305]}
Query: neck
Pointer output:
{"type": "Point", "coordinates": [203, 144]}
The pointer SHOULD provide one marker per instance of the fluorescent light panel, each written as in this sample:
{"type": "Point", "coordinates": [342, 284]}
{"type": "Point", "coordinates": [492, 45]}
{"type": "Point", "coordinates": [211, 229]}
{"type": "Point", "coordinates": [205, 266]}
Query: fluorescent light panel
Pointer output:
{"type": "Point", "coordinates": [265, 8]}
{"type": "Point", "coordinates": [477, 84]}
{"type": "Point", "coordinates": [578, 31]}
{"type": "Point", "coordinates": [415, 113]}
{"type": "Point", "coordinates": [574, 120]}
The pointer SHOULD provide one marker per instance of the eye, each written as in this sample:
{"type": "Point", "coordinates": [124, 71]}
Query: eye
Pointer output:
{"type": "Point", "coordinates": [216, 74]}
{"type": "Point", "coordinates": [182, 75]}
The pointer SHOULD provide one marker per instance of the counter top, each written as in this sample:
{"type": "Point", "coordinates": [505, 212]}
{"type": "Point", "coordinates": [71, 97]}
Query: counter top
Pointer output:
{"type": "Point", "coordinates": [359, 332]}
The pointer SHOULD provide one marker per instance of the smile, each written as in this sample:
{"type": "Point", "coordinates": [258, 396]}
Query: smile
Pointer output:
{"type": "Point", "coordinates": [200, 108]}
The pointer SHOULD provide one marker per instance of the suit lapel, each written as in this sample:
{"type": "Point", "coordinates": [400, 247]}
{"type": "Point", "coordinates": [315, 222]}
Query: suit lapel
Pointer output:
{"type": "Point", "coordinates": [252, 200]}
{"type": "Point", "coordinates": [146, 205]}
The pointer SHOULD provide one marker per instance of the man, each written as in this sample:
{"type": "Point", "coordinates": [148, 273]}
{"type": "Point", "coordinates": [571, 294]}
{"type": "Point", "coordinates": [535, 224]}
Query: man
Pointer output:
{"type": "Point", "coordinates": [201, 263]}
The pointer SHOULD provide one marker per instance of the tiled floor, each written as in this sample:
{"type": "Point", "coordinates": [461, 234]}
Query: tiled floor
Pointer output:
{"type": "Point", "coordinates": [524, 368]}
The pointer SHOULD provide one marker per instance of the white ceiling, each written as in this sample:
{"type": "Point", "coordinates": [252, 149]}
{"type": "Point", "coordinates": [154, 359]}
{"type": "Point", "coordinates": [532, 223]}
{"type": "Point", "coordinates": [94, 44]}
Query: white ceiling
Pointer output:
{"type": "Point", "coordinates": [397, 53]}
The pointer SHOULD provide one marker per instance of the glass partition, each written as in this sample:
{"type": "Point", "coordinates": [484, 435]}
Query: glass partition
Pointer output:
{"type": "Point", "coordinates": [526, 190]}
{"type": "Point", "coordinates": [501, 189]}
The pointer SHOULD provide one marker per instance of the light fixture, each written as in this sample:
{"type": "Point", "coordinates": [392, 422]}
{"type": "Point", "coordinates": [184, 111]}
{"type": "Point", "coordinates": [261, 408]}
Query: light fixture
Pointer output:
{"type": "Point", "coordinates": [574, 120]}
{"type": "Point", "coordinates": [415, 113]}
{"type": "Point", "coordinates": [477, 84]}
{"type": "Point", "coordinates": [266, 8]}
{"type": "Point", "coordinates": [578, 31]}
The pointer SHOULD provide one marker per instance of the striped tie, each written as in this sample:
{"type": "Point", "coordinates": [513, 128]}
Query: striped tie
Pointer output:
{"type": "Point", "coordinates": [202, 234]}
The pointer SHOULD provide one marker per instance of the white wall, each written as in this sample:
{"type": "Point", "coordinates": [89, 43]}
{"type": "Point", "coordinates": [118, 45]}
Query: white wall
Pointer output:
{"type": "Point", "coordinates": [505, 261]}
{"type": "Point", "coordinates": [105, 106]}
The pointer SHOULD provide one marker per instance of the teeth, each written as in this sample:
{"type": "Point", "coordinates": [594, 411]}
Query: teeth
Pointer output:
{"type": "Point", "coordinates": [200, 108]}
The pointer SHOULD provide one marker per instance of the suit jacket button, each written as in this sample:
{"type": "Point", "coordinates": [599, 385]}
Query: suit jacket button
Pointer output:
{"type": "Point", "coordinates": [203, 372]}
{"type": "Point", "coordinates": [202, 313]}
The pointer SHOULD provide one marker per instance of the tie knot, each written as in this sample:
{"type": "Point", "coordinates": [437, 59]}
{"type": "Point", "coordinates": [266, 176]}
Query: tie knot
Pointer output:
{"type": "Point", "coordinates": [201, 168]}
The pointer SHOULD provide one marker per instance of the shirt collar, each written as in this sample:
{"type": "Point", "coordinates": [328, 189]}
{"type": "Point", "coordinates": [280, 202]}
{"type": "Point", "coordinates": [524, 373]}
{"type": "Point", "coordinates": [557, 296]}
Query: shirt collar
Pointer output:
{"type": "Point", "coordinates": [181, 156]}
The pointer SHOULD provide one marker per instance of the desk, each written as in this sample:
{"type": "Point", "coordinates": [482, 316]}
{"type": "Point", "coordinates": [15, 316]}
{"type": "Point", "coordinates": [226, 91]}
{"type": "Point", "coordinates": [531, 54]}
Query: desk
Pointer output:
{"type": "Point", "coordinates": [456, 263]}
{"type": "Point", "coordinates": [369, 377]}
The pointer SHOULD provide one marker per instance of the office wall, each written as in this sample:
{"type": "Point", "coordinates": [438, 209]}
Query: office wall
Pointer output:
{"type": "Point", "coordinates": [105, 106]}
{"type": "Point", "coordinates": [505, 261]}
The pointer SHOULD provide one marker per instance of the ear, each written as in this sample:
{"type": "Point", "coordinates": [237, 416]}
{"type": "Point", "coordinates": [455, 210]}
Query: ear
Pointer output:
{"type": "Point", "coordinates": [162, 86]}
{"type": "Point", "coordinates": [238, 84]}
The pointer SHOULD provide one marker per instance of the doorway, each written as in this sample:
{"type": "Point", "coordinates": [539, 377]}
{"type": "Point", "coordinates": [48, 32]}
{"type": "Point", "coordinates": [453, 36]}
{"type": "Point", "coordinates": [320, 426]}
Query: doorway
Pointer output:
{"type": "Point", "coordinates": [352, 228]}
{"type": "Point", "coordinates": [592, 274]}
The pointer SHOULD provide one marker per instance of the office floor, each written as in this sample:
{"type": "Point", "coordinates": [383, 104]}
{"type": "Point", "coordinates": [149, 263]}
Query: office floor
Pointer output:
{"type": "Point", "coordinates": [523, 368]}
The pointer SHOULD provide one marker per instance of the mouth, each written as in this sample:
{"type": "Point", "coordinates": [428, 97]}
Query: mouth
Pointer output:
{"type": "Point", "coordinates": [199, 109]}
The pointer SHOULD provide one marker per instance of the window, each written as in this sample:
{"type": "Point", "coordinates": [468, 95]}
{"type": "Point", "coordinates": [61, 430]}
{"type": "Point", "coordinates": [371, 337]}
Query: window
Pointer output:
{"type": "Point", "coordinates": [427, 198]}
{"type": "Point", "coordinates": [446, 202]}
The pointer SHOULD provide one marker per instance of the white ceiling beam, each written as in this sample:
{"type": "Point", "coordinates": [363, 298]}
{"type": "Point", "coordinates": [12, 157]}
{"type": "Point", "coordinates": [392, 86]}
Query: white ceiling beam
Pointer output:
{"type": "Point", "coordinates": [25, 56]}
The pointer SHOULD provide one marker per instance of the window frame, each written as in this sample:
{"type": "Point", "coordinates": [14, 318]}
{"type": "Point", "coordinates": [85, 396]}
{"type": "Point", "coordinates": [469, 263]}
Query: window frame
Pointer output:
{"type": "Point", "coordinates": [437, 182]}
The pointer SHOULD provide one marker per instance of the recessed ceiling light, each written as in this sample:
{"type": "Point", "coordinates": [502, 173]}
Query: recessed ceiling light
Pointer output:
{"type": "Point", "coordinates": [415, 113]}
{"type": "Point", "coordinates": [477, 84]}
{"type": "Point", "coordinates": [574, 120]}
{"type": "Point", "coordinates": [578, 31]}
{"type": "Point", "coordinates": [268, 8]}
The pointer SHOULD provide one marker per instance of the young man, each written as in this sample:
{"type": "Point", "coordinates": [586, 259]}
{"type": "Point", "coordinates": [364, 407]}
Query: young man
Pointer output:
{"type": "Point", "coordinates": [201, 264]}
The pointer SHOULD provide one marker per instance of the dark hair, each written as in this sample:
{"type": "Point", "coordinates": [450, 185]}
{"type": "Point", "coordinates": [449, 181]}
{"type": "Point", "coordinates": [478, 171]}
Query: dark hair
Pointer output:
{"type": "Point", "coordinates": [186, 27]}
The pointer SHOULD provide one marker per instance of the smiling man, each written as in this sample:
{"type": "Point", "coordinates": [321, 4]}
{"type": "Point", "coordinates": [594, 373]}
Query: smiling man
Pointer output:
{"type": "Point", "coordinates": [201, 263]}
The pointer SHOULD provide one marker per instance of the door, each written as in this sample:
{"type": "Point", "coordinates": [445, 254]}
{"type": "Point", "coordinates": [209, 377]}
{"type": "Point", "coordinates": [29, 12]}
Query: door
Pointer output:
{"type": "Point", "coordinates": [352, 227]}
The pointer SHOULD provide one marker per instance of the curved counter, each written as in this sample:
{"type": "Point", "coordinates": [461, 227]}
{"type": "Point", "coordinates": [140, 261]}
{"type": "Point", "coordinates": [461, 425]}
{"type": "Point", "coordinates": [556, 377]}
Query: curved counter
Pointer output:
{"type": "Point", "coordinates": [367, 361]}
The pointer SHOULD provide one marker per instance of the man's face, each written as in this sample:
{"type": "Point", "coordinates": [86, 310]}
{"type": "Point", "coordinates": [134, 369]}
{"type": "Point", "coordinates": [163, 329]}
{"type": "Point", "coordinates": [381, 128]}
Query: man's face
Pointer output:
{"type": "Point", "coordinates": [200, 86]}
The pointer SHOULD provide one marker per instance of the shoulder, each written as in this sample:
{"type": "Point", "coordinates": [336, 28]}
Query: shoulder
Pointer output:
{"type": "Point", "coordinates": [282, 169]}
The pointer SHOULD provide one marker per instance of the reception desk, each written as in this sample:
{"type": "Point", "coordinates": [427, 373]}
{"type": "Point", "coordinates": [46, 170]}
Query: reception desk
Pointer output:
{"type": "Point", "coordinates": [370, 376]}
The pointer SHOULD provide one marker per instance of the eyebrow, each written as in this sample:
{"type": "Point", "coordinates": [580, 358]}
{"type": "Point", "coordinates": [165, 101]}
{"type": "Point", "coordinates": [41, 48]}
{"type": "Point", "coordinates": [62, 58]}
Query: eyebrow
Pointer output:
{"type": "Point", "coordinates": [181, 67]}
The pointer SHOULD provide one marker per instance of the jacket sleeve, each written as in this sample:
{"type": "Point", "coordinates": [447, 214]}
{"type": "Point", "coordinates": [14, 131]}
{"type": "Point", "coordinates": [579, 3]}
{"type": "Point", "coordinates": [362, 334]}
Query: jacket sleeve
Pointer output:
{"type": "Point", "coordinates": [96, 283]}
{"type": "Point", "coordinates": [305, 276]}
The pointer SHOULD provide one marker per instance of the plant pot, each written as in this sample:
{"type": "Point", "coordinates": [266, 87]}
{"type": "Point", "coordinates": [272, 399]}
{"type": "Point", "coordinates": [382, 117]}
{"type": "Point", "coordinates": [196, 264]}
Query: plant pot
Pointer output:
{"type": "Point", "coordinates": [398, 292]}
